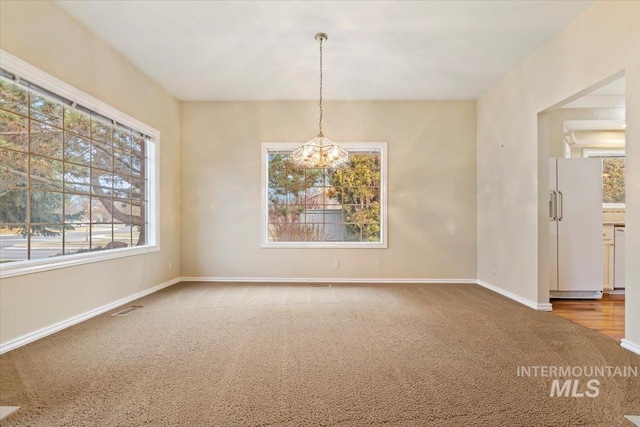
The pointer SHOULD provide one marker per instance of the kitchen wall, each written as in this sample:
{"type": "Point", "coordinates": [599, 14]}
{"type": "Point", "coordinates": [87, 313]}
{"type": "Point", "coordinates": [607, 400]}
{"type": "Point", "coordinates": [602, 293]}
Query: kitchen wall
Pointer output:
{"type": "Point", "coordinates": [513, 166]}
{"type": "Point", "coordinates": [598, 140]}
{"type": "Point", "coordinates": [577, 149]}
{"type": "Point", "coordinates": [431, 188]}
{"type": "Point", "coordinates": [559, 116]}
{"type": "Point", "coordinates": [40, 33]}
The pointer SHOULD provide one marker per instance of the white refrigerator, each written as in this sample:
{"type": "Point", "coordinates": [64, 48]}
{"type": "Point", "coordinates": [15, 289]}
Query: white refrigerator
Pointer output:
{"type": "Point", "coordinates": [575, 228]}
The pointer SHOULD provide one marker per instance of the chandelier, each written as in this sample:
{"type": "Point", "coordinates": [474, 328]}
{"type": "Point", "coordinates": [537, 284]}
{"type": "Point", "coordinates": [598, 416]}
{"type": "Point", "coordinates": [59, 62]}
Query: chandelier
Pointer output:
{"type": "Point", "coordinates": [320, 152]}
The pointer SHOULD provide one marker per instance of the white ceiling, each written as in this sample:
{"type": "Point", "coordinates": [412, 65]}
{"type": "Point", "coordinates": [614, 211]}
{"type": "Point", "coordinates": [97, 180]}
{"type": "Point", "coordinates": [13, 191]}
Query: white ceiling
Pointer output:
{"type": "Point", "coordinates": [265, 50]}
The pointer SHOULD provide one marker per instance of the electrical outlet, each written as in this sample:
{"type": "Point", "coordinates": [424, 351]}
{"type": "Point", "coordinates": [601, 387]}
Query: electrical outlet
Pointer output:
{"type": "Point", "coordinates": [170, 266]}
{"type": "Point", "coordinates": [494, 270]}
{"type": "Point", "coordinates": [336, 264]}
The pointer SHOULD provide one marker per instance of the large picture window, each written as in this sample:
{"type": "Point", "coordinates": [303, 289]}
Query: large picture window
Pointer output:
{"type": "Point", "coordinates": [342, 207]}
{"type": "Point", "coordinates": [72, 180]}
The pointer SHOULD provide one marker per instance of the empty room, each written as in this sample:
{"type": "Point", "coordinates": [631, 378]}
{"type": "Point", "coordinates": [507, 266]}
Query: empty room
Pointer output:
{"type": "Point", "coordinates": [319, 213]}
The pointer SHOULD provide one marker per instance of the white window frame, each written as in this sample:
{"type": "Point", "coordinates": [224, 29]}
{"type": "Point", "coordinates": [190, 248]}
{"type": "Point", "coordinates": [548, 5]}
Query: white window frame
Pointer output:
{"type": "Point", "coordinates": [606, 152]}
{"type": "Point", "coordinates": [352, 147]}
{"type": "Point", "coordinates": [36, 76]}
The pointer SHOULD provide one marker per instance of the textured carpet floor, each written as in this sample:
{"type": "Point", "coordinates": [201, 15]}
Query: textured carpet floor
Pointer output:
{"type": "Point", "coordinates": [295, 355]}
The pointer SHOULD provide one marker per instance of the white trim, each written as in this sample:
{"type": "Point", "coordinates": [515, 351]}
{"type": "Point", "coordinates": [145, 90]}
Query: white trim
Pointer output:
{"type": "Point", "coordinates": [351, 147]}
{"type": "Point", "coordinates": [153, 189]}
{"type": "Point", "coordinates": [517, 298]}
{"type": "Point", "coordinates": [5, 411]}
{"type": "Point", "coordinates": [603, 152]}
{"type": "Point", "coordinates": [41, 333]}
{"type": "Point", "coordinates": [575, 294]}
{"type": "Point", "coordinates": [631, 346]}
{"type": "Point", "coordinates": [528, 303]}
{"type": "Point", "coordinates": [28, 338]}
{"type": "Point", "coordinates": [20, 268]}
{"type": "Point", "coordinates": [614, 206]}
{"type": "Point", "coordinates": [322, 280]}
{"type": "Point", "coordinates": [635, 419]}
{"type": "Point", "coordinates": [37, 76]}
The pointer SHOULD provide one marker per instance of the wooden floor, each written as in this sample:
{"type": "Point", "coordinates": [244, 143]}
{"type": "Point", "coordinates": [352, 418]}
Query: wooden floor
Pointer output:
{"type": "Point", "coordinates": [604, 315]}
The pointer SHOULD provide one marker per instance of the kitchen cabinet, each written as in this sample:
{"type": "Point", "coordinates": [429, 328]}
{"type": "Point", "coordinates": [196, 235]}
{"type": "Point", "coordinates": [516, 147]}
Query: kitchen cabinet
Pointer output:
{"type": "Point", "coordinates": [608, 251]}
{"type": "Point", "coordinates": [575, 228]}
{"type": "Point", "coordinates": [619, 261]}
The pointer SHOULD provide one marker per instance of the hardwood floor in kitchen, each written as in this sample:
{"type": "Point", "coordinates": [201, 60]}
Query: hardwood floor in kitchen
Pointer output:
{"type": "Point", "coordinates": [604, 315]}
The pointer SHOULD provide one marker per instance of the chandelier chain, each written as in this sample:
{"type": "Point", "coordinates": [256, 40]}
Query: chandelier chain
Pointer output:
{"type": "Point", "coordinates": [320, 152]}
{"type": "Point", "coordinates": [320, 121]}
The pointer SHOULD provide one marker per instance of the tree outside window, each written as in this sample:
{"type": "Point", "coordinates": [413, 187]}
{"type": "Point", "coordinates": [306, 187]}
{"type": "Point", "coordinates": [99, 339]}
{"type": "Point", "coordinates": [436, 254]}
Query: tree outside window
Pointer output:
{"type": "Point", "coordinates": [613, 190]}
{"type": "Point", "coordinates": [613, 173]}
{"type": "Point", "coordinates": [336, 206]}
{"type": "Point", "coordinates": [70, 181]}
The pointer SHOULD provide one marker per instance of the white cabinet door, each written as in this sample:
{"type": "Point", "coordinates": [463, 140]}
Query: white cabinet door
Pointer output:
{"type": "Point", "coordinates": [607, 256]}
{"type": "Point", "coordinates": [579, 224]}
{"type": "Point", "coordinates": [611, 266]}
{"type": "Point", "coordinates": [607, 265]}
{"type": "Point", "coordinates": [619, 275]}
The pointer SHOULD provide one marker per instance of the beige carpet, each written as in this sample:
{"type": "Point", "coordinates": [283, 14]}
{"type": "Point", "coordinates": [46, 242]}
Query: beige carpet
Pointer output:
{"type": "Point", "coordinates": [295, 355]}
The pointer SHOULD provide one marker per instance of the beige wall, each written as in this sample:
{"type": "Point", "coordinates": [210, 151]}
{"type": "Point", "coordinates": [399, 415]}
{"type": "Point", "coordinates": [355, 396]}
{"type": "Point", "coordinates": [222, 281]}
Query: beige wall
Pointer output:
{"type": "Point", "coordinates": [431, 197]}
{"type": "Point", "coordinates": [42, 34]}
{"type": "Point", "coordinates": [432, 171]}
{"type": "Point", "coordinates": [513, 168]}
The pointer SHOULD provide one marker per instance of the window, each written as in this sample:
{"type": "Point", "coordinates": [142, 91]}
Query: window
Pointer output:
{"type": "Point", "coordinates": [74, 182]}
{"type": "Point", "coordinates": [344, 207]}
{"type": "Point", "coordinates": [613, 176]}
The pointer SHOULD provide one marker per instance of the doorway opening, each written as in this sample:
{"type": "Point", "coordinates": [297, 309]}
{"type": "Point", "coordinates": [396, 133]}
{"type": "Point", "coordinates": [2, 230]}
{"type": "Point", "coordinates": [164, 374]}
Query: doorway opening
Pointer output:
{"type": "Point", "coordinates": [582, 225]}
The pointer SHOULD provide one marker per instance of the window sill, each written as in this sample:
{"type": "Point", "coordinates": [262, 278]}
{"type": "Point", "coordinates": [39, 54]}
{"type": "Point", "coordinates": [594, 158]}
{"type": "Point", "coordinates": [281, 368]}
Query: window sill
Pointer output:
{"type": "Point", "coordinates": [20, 268]}
{"type": "Point", "coordinates": [323, 245]}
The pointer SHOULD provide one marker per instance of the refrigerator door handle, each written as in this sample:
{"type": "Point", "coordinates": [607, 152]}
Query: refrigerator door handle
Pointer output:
{"type": "Point", "coordinates": [561, 206]}
{"type": "Point", "coordinates": [553, 205]}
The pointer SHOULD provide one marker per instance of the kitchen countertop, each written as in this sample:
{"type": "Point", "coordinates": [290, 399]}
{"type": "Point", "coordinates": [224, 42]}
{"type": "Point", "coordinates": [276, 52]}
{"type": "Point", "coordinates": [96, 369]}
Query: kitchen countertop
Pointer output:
{"type": "Point", "coordinates": [615, 224]}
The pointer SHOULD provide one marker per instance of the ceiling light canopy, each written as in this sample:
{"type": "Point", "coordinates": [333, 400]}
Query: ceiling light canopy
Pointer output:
{"type": "Point", "coordinates": [320, 152]}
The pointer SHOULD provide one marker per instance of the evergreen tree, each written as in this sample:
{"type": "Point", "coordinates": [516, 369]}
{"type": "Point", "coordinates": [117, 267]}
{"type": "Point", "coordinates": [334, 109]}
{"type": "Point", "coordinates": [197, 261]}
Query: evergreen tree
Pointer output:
{"type": "Point", "coordinates": [100, 161]}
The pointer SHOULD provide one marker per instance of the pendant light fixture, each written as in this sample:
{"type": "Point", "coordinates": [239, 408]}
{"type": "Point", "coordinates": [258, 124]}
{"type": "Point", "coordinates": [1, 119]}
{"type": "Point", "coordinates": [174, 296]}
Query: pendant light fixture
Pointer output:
{"type": "Point", "coordinates": [320, 152]}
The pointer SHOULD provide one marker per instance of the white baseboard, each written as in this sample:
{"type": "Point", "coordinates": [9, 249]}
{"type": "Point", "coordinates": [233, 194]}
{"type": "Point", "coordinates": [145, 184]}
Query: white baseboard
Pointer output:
{"type": "Point", "coordinates": [28, 338]}
{"type": "Point", "coordinates": [5, 411]}
{"type": "Point", "coordinates": [528, 303]}
{"type": "Point", "coordinates": [517, 298]}
{"type": "Point", "coordinates": [41, 333]}
{"type": "Point", "coordinates": [576, 294]}
{"type": "Point", "coordinates": [322, 280]}
{"type": "Point", "coordinates": [631, 346]}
